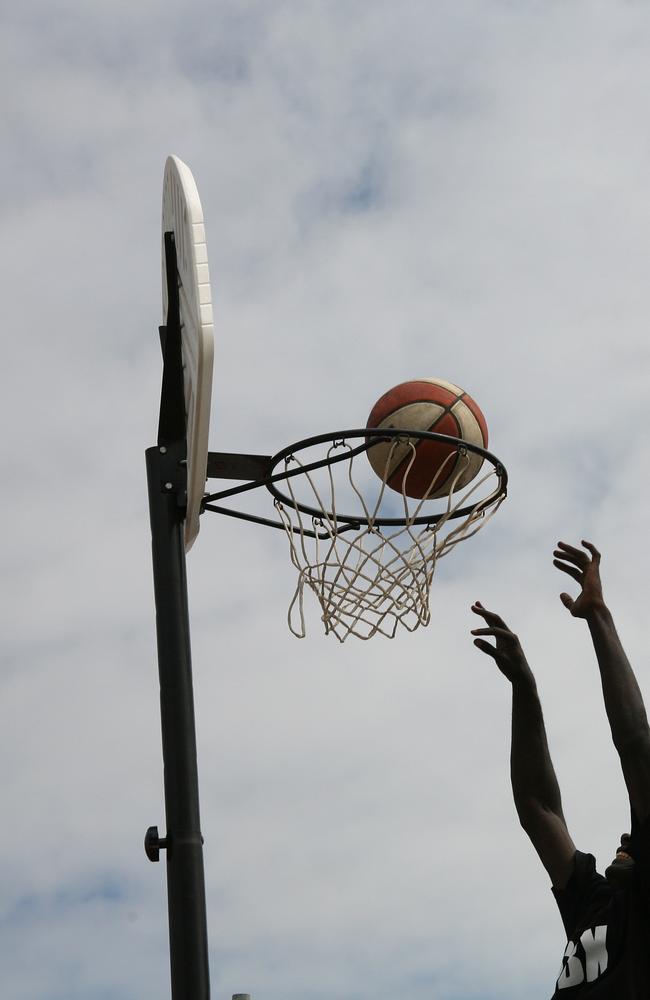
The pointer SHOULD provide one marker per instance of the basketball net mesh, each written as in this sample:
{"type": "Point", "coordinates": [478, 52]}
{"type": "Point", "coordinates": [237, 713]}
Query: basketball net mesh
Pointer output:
{"type": "Point", "coordinates": [370, 579]}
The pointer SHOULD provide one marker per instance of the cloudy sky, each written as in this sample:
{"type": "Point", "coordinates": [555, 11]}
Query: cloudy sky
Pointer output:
{"type": "Point", "coordinates": [452, 188]}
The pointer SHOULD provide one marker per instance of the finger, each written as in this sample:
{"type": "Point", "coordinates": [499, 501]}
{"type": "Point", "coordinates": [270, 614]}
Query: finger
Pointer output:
{"type": "Point", "coordinates": [497, 633]}
{"type": "Point", "coordinates": [485, 647]}
{"type": "Point", "coordinates": [570, 548]}
{"type": "Point", "coordinates": [567, 601]}
{"type": "Point", "coordinates": [592, 548]}
{"type": "Point", "coordinates": [490, 616]}
{"type": "Point", "coordinates": [577, 574]}
{"type": "Point", "coordinates": [568, 552]}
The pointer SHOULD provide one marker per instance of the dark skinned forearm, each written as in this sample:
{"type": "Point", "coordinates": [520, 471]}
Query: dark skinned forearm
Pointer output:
{"type": "Point", "coordinates": [534, 783]}
{"type": "Point", "coordinates": [623, 700]}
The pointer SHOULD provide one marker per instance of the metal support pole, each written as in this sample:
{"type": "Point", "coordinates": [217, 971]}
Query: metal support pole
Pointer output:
{"type": "Point", "coordinates": [188, 940]}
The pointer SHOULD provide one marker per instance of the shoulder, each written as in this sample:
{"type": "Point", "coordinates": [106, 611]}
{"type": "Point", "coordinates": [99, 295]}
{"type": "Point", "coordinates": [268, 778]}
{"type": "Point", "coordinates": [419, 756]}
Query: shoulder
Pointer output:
{"type": "Point", "coordinates": [586, 891]}
{"type": "Point", "coordinates": [583, 874]}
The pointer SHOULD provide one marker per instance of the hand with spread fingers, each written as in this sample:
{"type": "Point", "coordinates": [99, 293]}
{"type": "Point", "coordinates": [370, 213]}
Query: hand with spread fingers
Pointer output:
{"type": "Point", "coordinates": [585, 568]}
{"type": "Point", "coordinates": [507, 652]}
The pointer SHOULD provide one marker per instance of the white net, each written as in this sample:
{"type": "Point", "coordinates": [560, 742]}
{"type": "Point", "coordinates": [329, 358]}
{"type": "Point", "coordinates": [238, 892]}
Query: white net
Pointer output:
{"type": "Point", "coordinates": [370, 577]}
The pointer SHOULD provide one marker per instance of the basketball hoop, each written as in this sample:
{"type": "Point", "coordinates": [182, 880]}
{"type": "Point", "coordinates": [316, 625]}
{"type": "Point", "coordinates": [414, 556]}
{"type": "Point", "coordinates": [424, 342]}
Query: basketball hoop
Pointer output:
{"type": "Point", "coordinates": [371, 567]}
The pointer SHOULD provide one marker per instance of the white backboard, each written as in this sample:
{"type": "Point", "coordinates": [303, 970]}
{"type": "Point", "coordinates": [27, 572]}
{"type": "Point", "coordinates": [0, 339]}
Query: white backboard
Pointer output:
{"type": "Point", "coordinates": [182, 214]}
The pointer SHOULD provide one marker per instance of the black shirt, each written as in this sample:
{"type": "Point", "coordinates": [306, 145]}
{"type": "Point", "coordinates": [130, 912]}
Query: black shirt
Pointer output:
{"type": "Point", "coordinates": [607, 956]}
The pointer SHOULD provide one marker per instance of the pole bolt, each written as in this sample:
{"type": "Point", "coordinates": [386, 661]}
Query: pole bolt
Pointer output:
{"type": "Point", "coordinates": [153, 844]}
{"type": "Point", "coordinates": [169, 486]}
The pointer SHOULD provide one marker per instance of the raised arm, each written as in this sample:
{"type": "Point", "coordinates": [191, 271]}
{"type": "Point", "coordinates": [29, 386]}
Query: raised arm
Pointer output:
{"type": "Point", "coordinates": [534, 784]}
{"type": "Point", "coordinates": [623, 701]}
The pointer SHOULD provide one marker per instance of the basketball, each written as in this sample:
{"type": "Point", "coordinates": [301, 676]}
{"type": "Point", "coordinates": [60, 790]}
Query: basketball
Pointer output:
{"type": "Point", "coordinates": [427, 404]}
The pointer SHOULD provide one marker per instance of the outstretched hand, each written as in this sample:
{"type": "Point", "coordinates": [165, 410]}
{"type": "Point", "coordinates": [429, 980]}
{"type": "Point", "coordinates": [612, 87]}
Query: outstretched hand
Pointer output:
{"type": "Point", "coordinates": [507, 652]}
{"type": "Point", "coordinates": [585, 568]}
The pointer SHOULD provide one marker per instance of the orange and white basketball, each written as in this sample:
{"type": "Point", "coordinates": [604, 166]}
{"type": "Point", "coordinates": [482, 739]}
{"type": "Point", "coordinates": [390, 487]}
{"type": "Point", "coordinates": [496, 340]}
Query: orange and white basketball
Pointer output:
{"type": "Point", "coordinates": [427, 404]}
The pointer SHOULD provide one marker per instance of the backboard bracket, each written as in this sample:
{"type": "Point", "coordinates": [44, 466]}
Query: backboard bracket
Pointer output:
{"type": "Point", "coordinates": [171, 421]}
{"type": "Point", "coordinates": [173, 471]}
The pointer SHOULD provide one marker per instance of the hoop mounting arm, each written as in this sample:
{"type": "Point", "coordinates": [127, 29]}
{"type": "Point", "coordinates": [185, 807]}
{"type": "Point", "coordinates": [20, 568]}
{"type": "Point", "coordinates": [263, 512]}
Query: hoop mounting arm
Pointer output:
{"type": "Point", "coordinates": [255, 470]}
{"type": "Point", "coordinates": [228, 465]}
